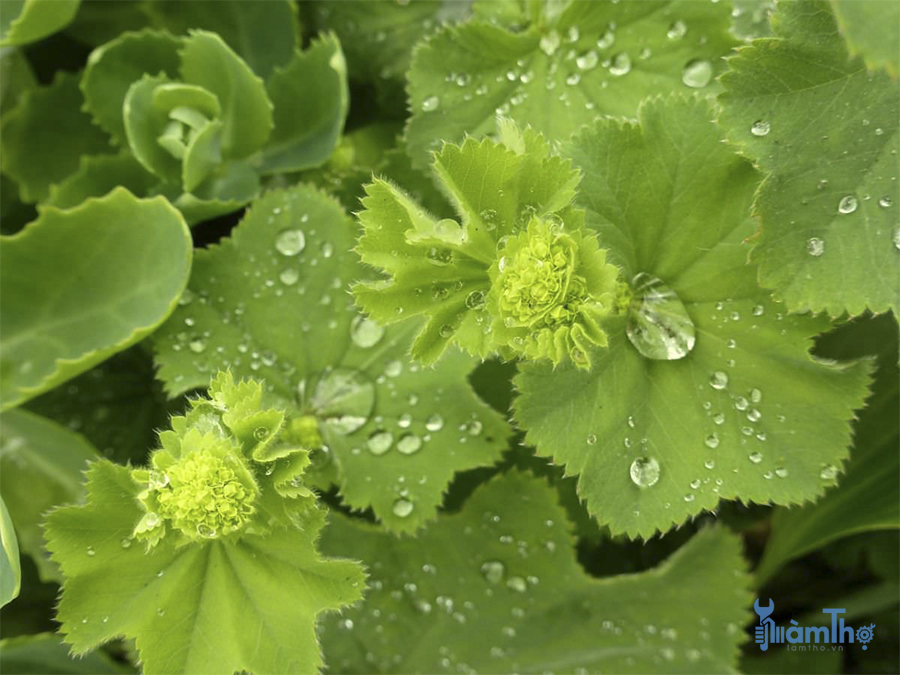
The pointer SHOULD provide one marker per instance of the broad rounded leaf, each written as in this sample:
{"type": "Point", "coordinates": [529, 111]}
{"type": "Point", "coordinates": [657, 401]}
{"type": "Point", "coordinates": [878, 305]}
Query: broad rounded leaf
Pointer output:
{"type": "Point", "coordinates": [588, 60]}
{"type": "Point", "coordinates": [98, 175]}
{"type": "Point", "coordinates": [80, 285]}
{"type": "Point", "coordinates": [41, 466]}
{"type": "Point", "coordinates": [170, 597]}
{"type": "Point", "coordinates": [44, 137]}
{"type": "Point", "coordinates": [826, 132]}
{"type": "Point", "coordinates": [747, 413]}
{"type": "Point", "coordinates": [496, 588]}
{"type": "Point", "coordinates": [25, 21]}
{"type": "Point", "coordinates": [272, 302]}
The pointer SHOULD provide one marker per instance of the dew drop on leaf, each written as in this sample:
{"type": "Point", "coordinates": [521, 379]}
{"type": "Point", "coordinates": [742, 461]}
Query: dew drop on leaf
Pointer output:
{"type": "Point", "coordinates": [475, 300]}
{"type": "Point", "coordinates": [697, 73]}
{"type": "Point", "coordinates": [755, 457]}
{"type": "Point", "coordinates": [290, 242]}
{"type": "Point", "coordinates": [434, 423]}
{"type": "Point", "coordinates": [658, 324]}
{"type": "Point", "coordinates": [587, 61]}
{"type": "Point", "coordinates": [760, 128]}
{"type": "Point", "coordinates": [848, 204]}
{"type": "Point", "coordinates": [885, 202]}
{"type": "Point", "coordinates": [550, 43]}
{"type": "Point", "coordinates": [644, 472]}
{"type": "Point", "coordinates": [718, 380]}
{"type": "Point", "coordinates": [815, 247]}
{"type": "Point", "coordinates": [402, 508]}
{"type": "Point", "coordinates": [409, 444]}
{"type": "Point", "coordinates": [493, 571]}
{"type": "Point", "coordinates": [431, 103]}
{"type": "Point", "coordinates": [677, 30]}
{"type": "Point", "coordinates": [781, 472]}
{"type": "Point", "coordinates": [343, 400]}
{"type": "Point", "coordinates": [621, 65]}
{"type": "Point", "coordinates": [289, 277]}
{"type": "Point", "coordinates": [712, 441]}
{"type": "Point", "coordinates": [365, 333]}
{"type": "Point", "coordinates": [379, 442]}
{"type": "Point", "coordinates": [829, 472]}
{"type": "Point", "coordinates": [517, 584]}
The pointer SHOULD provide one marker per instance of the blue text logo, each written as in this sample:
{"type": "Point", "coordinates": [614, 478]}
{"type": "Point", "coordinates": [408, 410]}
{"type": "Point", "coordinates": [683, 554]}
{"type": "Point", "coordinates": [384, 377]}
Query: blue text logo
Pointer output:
{"type": "Point", "coordinates": [768, 632]}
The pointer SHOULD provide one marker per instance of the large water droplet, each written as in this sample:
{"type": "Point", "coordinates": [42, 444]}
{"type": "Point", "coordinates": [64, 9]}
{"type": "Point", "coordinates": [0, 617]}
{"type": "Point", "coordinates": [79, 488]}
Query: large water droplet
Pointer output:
{"type": "Point", "coordinates": [379, 442]}
{"type": "Point", "coordinates": [550, 43]}
{"type": "Point", "coordinates": [290, 242]}
{"type": "Point", "coordinates": [847, 204]}
{"type": "Point", "coordinates": [697, 73]}
{"type": "Point", "coordinates": [409, 444]}
{"type": "Point", "coordinates": [365, 333]}
{"type": "Point", "coordinates": [677, 30]}
{"type": "Point", "coordinates": [402, 508]}
{"type": "Point", "coordinates": [343, 400]}
{"type": "Point", "coordinates": [760, 128]}
{"type": "Point", "coordinates": [644, 472]}
{"type": "Point", "coordinates": [621, 64]}
{"type": "Point", "coordinates": [718, 380]}
{"type": "Point", "coordinates": [587, 61]}
{"type": "Point", "coordinates": [658, 324]}
{"type": "Point", "coordinates": [434, 423]}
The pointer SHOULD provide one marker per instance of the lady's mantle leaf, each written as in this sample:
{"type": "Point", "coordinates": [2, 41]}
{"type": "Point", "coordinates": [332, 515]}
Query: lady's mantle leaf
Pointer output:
{"type": "Point", "coordinates": [271, 302]}
{"type": "Point", "coordinates": [219, 607]}
{"type": "Point", "coordinates": [747, 413]}
{"type": "Point", "coordinates": [585, 60]}
{"type": "Point", "coordinates": [829, 238]}
{"type": "Point", "coordinates": [10, 569]}
{"type": "Point", "coordinates": [45, 653]}
{"type": "Point", "coordinates": [43, 138]}
{"type": "Point", "coordinates": [41, 466]}
{"type": "Point", "coordinates": [867, 497]}
{"type": "Point", "coordinates": [496, 588]}
{"type": "Point", "coordinates": [871, 29]}
{"type": "Point", "coordinates": [77, 286]}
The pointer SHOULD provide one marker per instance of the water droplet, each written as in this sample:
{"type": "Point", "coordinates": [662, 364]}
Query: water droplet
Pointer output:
{"type": "Point", "coordinates": [402, 508]}
{"type": "Point", "coordinates": [689, 497]}
{"type": "Point", "coordinates": [755, 457]}
{"type": "Point", "coordinates": [289, 277]}
{"type": "Point", "coordinates": [897, 238]}
{"type": "Point", "coordinates": [697, 73]}
{"type": "Point", "coordinates": [606, 40]}
{"type": "Point", "coordinates": [847, 204]}
{"type": "Point", "coordinates": [829, 472]}
{"type": "Point", "coordinates": [755, 395]}
{"type": "Point", "coordinates": [431, 103]}
{"type": "Point", "coordinates": [644, 472]}
{"type": "Point", "coordinates": [434, 423]}
{"type": "Point", "coordinates": [712, 441]}
{"type": "Point", "coordinates": [290, 242]}
{"type": "Point", "coordinates": [475, 300]}
{"type": "Point", "coordinates": [587, 61]}
{"type": "Point", "coordinates": [592, 439]}
{"type": "Point", "coordinates": [718, 380]}
{"type": "Point", "coordinates": [621, 64]}
{"type": "Point", "coordinates": [379, 442]}
{"type": "Point", "coordinates": [815, 247]}
{"type": "Point", "coordinates": [658, 326]}
{"type": "Point", "coordinates": [91, 552]}
{"type": "Point", "coordinates": [409, 444]}
{"type": "Point", "coordinates": [364, 332]}
{"type": "Point", "coordinates": [493, 571]}
{"type": "Point", "coordinates": [677, 30]}
{"type": "Point", "coordinates": [205, 530]}
{"type": "Point", "coordinates": [710, 464]}
{"type": "Point", "coordinates": [343, 400]}
{"type": "Point", "coordinates": [197, 346]}
{"type": "Point", "coordinates": [126, 542]}
{"type": "Point", "coordinates": [760, 128]}
{"type": "Point", "coordinates": [781, 472]}
{"type": "Point", "coordinates": [517, 584]}
{"type": "Point", "coordinates": [550, 43]}
{"type": "Point", "coordinates": [885, 202]}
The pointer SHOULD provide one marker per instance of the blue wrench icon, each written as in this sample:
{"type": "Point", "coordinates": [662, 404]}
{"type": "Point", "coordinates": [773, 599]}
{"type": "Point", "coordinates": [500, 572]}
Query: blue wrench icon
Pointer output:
{"type": "Point", "coordinates": [762, 633]}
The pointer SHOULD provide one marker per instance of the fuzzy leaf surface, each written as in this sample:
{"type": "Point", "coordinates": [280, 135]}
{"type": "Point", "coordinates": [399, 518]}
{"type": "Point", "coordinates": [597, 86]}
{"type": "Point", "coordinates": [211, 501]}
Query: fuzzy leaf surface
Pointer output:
{"type": "Point", "coordinates": [735, 418]}
{"type": "Point", "coordinates": [272, 302]}
{"type": "Point", "coordinates": [496, 588]}
{"type": "Point", "coordinates": [42, 465]}
{"type": "Point", "coordinates": [216, 607]}
{"type": "Point", "coordinates": [828, 205]}
{"type": "Point", "coordinates": [579, 61]}
{"type": "Point", "coordinates": [82, 284]}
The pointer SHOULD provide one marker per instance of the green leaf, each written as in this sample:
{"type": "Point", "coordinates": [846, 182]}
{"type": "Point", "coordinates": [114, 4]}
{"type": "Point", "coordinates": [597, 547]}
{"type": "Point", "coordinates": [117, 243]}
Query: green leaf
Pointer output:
{"type": "Point", "coordinates": [16, 77]}
{"type": "Point", "coordinates": [26, 21]}
{"type": "Point", "coordinates": [867, 497]}
{"type": "Point", "coordinates": [263, 34]}
{"type": "Point", "coordinates": [98, 175]}
{"type": "Point", "coordinates": [43, 138]}
{"type": "Point", "coordinates": [378, 39]}
{"type": "Point", "coordinates": [117, 406]}
{"type": "Point", "coordinates": [496, 588]}
{"type": "Point", "coordinates": [311, 99]}
{"type": "Point", "coordinates": [271, 302]}
{"type": "Point", "coordinates": [99, 21]}
{"type": "Point", "coordinates": [580, 60]}
{"type": "Point", "coordinates": [80, 285]}
{"type": "Point", "coordinates": [42, 464]}
{"type": "Point", "coordinates": [10, 571]}
{"type": "Point", "coordinates": [657, 441]}
{"type": "Point", "coordinates": [246, 109]}
{"type": "Point", "coordinates": [46, 654]}
{"type": "Point", "coordinates": [173, 599]}
{"type": "Point", "coordinates": [872, 30]}
{"type": "Point", "coordinates": [114, 67]}
{"type": "Point", "coordinates": [828, 207]}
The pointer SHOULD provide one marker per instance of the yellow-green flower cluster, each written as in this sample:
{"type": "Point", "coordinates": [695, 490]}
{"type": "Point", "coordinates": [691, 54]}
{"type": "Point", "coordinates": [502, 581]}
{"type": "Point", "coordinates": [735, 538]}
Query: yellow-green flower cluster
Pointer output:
{"type": "Point", "coordinates": [550, 289]}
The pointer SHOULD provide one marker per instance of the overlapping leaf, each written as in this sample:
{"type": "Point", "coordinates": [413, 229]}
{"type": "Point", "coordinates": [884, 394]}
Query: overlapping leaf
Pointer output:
{"type": "Point", "coordinates": [25, 21]}
{"type": "Point", "coordinates": [272, 302]}
{"type": "Point", "coordinates": [747, 413]}
{"type": "Point", "coordinates": [46, 654]}
{"type": "Point", "coordinates": [42, 465]}
{"type": "Point", "coordinates": [872, 30]}
{"type": "Point", "coordinates": [496, 588]}
{"type": "Point", "coordinates": [867, 497]}
{"type": "Point", "coordinates": [575, 62]}
{"type": "Point", "coordinates": [828, 206]}
{"type": "Point", "coordinates": [215, 607]}
{"type": "Point", "coordinates": [62, 312]}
